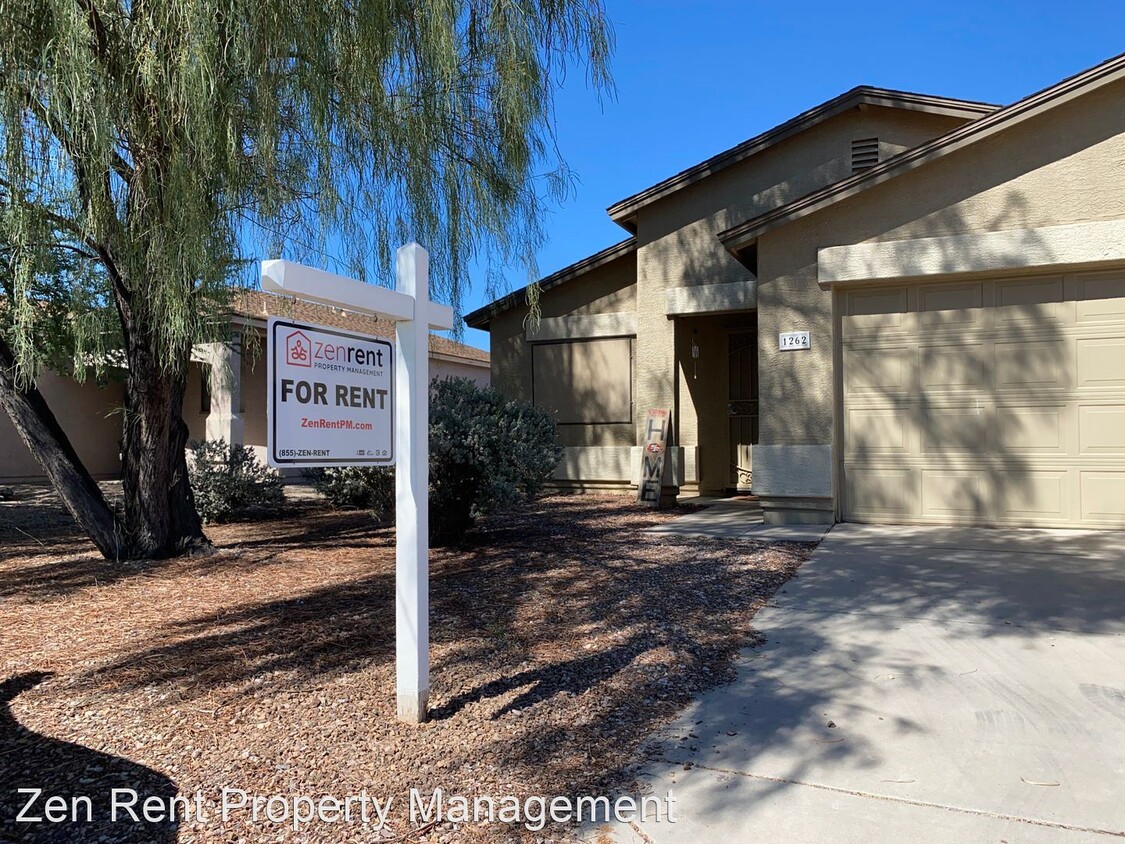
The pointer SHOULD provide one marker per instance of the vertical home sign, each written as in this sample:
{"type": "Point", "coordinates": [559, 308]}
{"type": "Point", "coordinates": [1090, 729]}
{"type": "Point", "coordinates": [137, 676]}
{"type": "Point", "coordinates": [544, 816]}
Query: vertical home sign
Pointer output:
{"type": "Point", "coordinates": [657, 423]}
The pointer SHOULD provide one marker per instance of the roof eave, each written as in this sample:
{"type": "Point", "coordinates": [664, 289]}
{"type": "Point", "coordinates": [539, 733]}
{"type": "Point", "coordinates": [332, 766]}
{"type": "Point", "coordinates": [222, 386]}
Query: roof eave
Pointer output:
{"type": "Point", "coordinates": [737, 238]}
{"type": "Point", "coordinates": [624, 213]}
{"type": "Point", "coordinates": [481, 317]}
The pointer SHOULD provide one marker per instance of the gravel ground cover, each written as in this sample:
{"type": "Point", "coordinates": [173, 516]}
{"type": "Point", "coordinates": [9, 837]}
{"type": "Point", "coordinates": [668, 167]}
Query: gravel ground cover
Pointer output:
{"type": "Point", "coordinates": [561, 636]}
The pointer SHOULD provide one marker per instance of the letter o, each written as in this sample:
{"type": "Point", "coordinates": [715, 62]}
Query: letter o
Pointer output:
{"type": "Point", "coordinates": [280, 801]}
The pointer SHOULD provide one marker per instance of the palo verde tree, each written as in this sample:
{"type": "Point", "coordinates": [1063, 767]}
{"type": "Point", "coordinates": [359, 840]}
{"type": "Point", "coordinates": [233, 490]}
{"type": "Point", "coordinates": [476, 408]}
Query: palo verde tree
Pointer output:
{"type": "Point", "coordinates": [151, 149]}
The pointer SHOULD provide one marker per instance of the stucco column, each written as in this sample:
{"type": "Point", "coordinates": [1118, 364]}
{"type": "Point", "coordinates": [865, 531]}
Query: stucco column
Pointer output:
{"type": "Point", "coordinates": [225, 363]}
{"type": "Point", "coordinates": [654, 354]}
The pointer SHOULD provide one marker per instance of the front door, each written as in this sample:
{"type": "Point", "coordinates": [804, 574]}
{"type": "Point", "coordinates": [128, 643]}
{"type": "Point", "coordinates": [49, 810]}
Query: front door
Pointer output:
{"type": "Point", "coordinates": [742, 406]}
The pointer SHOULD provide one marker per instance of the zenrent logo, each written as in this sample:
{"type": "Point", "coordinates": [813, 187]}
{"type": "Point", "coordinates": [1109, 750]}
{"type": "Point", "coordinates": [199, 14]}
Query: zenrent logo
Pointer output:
{"type": "Point", "coordinates": [298, 349]}
{"type": "Point", "coordinates": [347, 354]}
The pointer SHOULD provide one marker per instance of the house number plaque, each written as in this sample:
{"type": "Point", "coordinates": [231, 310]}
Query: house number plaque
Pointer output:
{"type": "Point", "coordinates": [791, 340]}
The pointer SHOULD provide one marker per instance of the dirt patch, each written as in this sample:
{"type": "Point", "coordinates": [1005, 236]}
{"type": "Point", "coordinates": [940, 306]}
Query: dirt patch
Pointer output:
{"type": "Point", "coordinates": [562, 635]}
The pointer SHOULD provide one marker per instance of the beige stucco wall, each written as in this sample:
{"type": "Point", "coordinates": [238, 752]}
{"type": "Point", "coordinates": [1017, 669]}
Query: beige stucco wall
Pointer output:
{"type": "Point", "coordinates": [195, 420]}
{"type": "Point", "coordinates": [677, 247]}
{"type": "Point", "coordinates": [252, 405]}
{"type": "Point", "coordinates": [441, 368]}
{"type": "Point", "coordinates": [254, 401]}
{"type": "Point", "coordinates": [604, 290]}
{"type": "Point", "coordinates": [1065, 166]}
{"type": "Point", "coordinates": [90, 416]}
{"type": "Point", "coordinates": [677, 244]}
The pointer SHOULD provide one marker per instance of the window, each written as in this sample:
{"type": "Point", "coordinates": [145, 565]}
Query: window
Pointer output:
{"type": "Point", "coordinates": [586, 382]}
{"type": "Point", "coordinates": [865, 154]}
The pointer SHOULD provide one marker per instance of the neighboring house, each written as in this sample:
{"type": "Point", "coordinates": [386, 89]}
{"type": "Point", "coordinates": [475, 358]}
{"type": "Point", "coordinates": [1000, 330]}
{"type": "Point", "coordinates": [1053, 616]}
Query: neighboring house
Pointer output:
{"type": "Point", "coordinates": [226, 388]}
{"type": "Point", "coordinates": [960, 270]}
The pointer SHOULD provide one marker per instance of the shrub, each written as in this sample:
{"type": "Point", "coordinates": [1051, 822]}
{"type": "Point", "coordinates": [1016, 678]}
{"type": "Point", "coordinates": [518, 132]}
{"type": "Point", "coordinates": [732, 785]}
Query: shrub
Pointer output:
{"type": "Point", "coordinates": [228, 480]}
{"type": "Point", "coordinates": [486, 454]}
{"type": "Point", "coordinates": [357, 487]}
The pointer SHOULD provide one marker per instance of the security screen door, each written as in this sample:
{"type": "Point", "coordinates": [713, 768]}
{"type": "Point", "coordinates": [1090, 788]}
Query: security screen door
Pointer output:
{"type": "Point", "coordinates": [742, 406]}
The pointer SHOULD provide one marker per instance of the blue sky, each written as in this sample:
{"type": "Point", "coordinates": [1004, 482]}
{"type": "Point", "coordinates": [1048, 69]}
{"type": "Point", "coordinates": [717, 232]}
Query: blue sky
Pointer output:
{"type": "Point", "coordinates": [694, 78]}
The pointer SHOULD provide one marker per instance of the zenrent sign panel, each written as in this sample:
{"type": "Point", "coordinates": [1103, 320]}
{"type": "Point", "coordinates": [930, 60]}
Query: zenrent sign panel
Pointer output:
{"type": "Point", "coordinates": [331, 396]}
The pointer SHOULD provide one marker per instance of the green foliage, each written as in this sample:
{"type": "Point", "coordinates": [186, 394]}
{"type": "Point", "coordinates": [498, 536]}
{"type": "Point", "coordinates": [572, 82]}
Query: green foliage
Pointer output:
{"type": "Point", "coordinates": [153, 150]}
{"type": "Point", "coordinates": [357, 487]}
{"type": "Point", "coordinates": [486, 455]}
{"type": "Point", "coordinates": [228, 480]}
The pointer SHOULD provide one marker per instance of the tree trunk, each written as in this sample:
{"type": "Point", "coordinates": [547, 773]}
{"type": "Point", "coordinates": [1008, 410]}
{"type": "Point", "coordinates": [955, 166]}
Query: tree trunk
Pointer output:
{"type": "Point", "coordinates": [41, 432]}
{"type": "Point", "coordinates": [159, 505]}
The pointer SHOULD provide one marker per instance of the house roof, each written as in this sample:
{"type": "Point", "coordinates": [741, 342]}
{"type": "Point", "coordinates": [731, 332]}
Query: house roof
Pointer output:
{"type": "Point", "coordinates": [738, 238]}
{"type": "Point", "coordinates": [258, 305]}
{"type": "Point", "coordinates": [624, 213]}
{"type": "Point", "coordinates": [482, 316]}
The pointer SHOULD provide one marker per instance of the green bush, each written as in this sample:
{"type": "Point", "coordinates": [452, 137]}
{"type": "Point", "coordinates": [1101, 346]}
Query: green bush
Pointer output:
{"type": "Point", "coordinates": [357, 487]}
{"type": "Point", "coordinates": [227, 480]}
{"type": "Point", "coordinates": [486, 454]}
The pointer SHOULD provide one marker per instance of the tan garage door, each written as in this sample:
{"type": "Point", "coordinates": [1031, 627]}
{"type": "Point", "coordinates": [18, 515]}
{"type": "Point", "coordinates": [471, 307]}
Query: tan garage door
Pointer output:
{"type": "Point", "coordinates": [986, 402]}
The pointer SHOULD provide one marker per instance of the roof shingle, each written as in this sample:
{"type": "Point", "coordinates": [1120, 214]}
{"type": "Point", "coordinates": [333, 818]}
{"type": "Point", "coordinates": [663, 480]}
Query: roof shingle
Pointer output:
{"type": "Point", "coordinates": [259, 305]}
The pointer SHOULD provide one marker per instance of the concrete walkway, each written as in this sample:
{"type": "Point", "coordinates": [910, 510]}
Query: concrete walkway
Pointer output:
{"type": "Point", "coordinates": [737, 518]}
{"type": "Point", "coordinates": [918, 684]}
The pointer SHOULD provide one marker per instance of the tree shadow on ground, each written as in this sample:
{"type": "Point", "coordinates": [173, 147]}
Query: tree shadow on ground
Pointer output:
{"type": "Point", "coordinates": [46, 576]}
{"type": "Point", "coordinates": [30, 760]}
{"type": "Point", "coordinates": [573, 676]}
{"type": "Point", "coordinates": [884, 627]}
{"type": "Point", "coordinates": [574, 631]}
{"type": "Point", "coordinates": [476, 592]}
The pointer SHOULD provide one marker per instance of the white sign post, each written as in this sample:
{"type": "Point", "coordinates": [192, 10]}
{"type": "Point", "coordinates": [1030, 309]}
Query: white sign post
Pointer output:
{"type": "Point", "coordinates": [409, 306]}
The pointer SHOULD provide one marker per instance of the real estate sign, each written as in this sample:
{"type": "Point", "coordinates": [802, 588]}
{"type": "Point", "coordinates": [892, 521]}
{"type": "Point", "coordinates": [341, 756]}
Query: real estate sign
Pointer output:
{"type": "Point", "coordinates": [331, 396]}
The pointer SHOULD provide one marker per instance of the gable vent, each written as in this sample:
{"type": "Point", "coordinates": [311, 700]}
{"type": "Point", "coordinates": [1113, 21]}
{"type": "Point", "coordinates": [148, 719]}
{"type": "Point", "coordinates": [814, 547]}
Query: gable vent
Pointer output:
{"type": "Point", "coordinates": [865, 154]}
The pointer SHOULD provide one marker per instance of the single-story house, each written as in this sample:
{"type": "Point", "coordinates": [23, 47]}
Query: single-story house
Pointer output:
{"type": "Point", "coordinates": [892, 308]}
{"type": "Point", "coordinates": [226, 387]}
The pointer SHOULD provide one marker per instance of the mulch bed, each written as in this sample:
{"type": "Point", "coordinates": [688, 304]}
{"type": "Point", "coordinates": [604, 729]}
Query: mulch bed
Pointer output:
{"type": "Point", "coordinates": [561, 637]}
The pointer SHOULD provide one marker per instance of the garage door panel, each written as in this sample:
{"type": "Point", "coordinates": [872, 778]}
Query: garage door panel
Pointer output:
{"type": "Point", "coordinates": [1103, 497]}
{"type": "Point", "coordinates": [877, 430]}
{"type": "Point", "coordinates": [945, 429]}
{"type": "Point", "coordinates": [1030, 301]}
{"type": "Point", "coordinates": [878, 371]}
{"type": "Point", "coordinates": [881, 492]}
{"type": "Point", "coordinates": [1101, 298]}
{"type": "Point", "coordinates": [950, 305]}
{"type": "Point", "coordinates": [1032, 430]}
{"type": "Point", "coordinates": [1101, 429]}
{"type": "Point", "coordinates": [995, 402]}
{"type": "Point", "coordinates": [1033, 497]}
{"type": "Point", "coordinates": [956, 366]}
{"type": "Point", "coordinates": [1101, 362]}
{"type": "Point", "coordinates": [963, 495]}
{"type": "Point", "coordinates": [877, 308]}
{"type": "Point", "coordinates": [1033, 364]}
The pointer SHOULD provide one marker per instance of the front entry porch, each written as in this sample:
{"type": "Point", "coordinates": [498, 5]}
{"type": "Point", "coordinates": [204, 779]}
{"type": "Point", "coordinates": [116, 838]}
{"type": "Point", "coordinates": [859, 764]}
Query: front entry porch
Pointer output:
{"type": "Point", "coordinates": [717, 399]}
{"type": "Point", "coordinates": [738, 518]}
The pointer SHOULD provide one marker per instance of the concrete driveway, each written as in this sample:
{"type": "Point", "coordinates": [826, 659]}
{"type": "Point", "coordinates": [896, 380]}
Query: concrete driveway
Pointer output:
{"type": "Point", "coordinates": [918, 684]}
